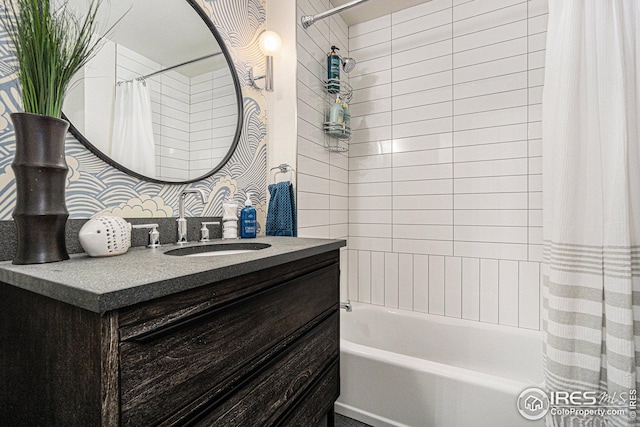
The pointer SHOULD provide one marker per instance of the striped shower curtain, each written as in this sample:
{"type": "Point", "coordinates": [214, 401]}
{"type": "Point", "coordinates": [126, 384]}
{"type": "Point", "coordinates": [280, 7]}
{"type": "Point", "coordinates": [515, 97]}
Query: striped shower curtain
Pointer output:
{"type": "Point", "coordinates": [591, 212]}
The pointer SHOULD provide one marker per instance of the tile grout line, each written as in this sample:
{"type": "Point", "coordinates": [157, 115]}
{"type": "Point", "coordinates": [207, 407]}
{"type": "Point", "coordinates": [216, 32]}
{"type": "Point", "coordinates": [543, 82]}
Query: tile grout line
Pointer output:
{"type": "Point", "coordinates": [479, 289]}
{"type": "Point", "coordinates": [528, 145]}
{"type": "Point", "coordinates": [397, 256]}
{"type": "Point", "coordinates": [391, 54]}
{"type": "Point", "coordinates": [453, 136]}
{"type": "Point", "coordinates": [518, 290]}
{"type": "Point", "coordinates": [498, 294]}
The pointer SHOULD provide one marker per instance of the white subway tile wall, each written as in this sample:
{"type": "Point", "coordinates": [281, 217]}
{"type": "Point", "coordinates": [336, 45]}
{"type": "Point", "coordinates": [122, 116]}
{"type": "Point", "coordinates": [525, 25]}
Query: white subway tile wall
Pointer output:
{"type": "Point", "coordinates": [323, 176]}
{"type": "Point", "coordinates": [213, 120]}
{"type": "Point", "coordinates": [444, 168]}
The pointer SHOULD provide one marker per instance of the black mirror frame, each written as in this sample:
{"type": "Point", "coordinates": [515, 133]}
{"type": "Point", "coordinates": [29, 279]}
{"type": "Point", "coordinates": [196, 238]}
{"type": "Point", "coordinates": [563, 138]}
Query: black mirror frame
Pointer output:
{"type": "Point", "coordinates": [239, 101]}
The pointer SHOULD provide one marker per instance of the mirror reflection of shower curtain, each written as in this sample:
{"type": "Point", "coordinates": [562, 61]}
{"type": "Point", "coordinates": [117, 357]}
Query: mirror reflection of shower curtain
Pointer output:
{"type": "Point", "coordinates": [132, 143]}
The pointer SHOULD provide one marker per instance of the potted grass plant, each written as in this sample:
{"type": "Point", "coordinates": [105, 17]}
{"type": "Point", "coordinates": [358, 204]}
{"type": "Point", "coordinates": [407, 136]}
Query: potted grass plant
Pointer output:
{"type": "Point", "coordinates": [51, 44]}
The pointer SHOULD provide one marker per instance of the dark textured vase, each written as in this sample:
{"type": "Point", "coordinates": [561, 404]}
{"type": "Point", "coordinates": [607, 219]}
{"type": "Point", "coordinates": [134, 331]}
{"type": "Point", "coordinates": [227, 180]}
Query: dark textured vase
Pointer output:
{"type": "Point", "coordinates": [41, 170]}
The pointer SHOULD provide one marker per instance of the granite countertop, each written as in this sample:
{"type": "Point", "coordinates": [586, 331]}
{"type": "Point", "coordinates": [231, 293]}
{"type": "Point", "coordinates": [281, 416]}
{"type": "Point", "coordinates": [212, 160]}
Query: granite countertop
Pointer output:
{"type": "Point", "coordinates": [103, 284]}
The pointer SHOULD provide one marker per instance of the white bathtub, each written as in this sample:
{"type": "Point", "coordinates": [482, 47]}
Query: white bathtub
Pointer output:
{"type": "Point", "coordinates": [400, 368]}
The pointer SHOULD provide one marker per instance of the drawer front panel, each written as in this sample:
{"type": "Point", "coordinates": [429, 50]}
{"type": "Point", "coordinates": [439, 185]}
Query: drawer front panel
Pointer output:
{"type": "Point", "coordinates": [266, 397]}
{"type": "Point", "coordinates": [315, 405]}
{"type": "Point", "coordinates": [164, 372]}
{"type": "Point", "coordinates": [141, 318]}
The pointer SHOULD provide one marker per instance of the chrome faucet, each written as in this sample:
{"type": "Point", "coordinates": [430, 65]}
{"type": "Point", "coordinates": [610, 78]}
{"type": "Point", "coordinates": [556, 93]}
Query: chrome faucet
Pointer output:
{"type": "Point", "coordinates": [182, 222]}
{"type": "Point", "coordinates": [346, 305]}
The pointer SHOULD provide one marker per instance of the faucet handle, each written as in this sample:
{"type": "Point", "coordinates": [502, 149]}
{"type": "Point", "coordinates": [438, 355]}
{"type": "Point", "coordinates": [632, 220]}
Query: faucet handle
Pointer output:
{"type": "Point", "coordinates": [204, 231]}
{"type": "Point", "coordinates": [154, 234]}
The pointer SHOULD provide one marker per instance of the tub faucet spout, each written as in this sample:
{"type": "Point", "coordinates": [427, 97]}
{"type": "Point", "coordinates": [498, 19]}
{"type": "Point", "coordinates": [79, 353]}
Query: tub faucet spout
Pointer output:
{"type": "Point", "coordinates": [346, 305]}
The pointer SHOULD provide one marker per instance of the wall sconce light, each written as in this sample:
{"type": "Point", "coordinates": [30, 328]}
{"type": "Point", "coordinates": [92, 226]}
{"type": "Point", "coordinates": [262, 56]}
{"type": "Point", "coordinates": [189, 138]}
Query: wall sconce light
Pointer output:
{"type": "Point", "coordinates": [270, 43]}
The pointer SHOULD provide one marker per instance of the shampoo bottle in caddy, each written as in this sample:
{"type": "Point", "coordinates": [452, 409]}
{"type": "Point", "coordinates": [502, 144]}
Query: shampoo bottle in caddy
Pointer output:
{"type": "Point", "coordinates": [333, 70]}
{"type": "Point", "coordinates": [248, 220]}
{"type": "Point", "coordinates": [336, 118]}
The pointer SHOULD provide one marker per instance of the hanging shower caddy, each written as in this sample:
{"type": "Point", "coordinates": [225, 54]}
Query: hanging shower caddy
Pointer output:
{"type": "Point", "coordinates": [337, 135]}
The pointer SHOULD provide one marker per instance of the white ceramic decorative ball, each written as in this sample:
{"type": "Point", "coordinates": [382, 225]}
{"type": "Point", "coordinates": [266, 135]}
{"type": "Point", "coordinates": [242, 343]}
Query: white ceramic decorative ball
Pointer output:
{"type": "Point", "coordinates": [105, 236]}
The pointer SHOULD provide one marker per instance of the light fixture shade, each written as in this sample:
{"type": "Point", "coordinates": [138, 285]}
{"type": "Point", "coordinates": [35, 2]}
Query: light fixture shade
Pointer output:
{"type": "Point", "coordinates": [270, 43]}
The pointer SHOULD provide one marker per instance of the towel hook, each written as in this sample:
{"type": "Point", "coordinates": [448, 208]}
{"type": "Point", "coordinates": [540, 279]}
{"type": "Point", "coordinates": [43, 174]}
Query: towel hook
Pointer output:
{"type": "Point", "coordinates": [282, 168]}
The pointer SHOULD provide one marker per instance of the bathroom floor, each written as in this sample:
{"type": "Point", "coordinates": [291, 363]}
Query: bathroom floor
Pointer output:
{"type": "Point", "coordinates": [342, 421]}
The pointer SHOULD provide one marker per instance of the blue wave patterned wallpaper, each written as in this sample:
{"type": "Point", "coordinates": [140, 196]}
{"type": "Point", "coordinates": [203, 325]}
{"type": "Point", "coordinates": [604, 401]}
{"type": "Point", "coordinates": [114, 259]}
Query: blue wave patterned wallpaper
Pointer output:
{"type": "Point", "coordinates": [95, 187]}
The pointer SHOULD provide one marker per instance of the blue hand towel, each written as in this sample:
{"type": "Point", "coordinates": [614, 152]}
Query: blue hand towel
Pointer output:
{"type": "Point", "coordinates": [281, 215]}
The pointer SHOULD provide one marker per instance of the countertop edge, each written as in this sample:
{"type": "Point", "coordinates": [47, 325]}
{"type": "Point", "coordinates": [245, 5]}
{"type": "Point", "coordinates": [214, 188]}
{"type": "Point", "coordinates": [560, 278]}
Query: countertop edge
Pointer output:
{"type": "Point", "coordinates": [120, 298]}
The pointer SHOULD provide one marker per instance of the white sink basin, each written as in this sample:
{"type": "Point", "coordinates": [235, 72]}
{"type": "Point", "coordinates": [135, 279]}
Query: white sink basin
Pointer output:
{"type": "Point", "coordinates": [218, 253]}
{"type": "Point", "coordinates": [217, 249]}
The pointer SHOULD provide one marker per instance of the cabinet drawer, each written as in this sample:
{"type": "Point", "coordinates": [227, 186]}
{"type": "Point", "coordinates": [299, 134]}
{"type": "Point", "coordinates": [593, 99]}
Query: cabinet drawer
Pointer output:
{"type": "Point", "coordinates": [142, 318]}
{"type": "Point", "coordinates": [169, 368]}
{"type": "Point", "coordinates": [264, 398]}
{"type": "Point", "coordinates": [315, 405]}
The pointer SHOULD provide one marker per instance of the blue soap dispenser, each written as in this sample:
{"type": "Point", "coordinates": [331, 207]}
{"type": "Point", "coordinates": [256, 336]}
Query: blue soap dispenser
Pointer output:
{"type": "Point", "coordinates": [248, 220]}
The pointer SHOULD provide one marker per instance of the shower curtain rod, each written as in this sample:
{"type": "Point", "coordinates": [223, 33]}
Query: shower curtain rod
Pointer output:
{"type": "Point", "coordinates": [183, 64]}
{"type": "Point", "coordinates": [174, 67]}
{"type": "Point", "coordinates": [309, 20]}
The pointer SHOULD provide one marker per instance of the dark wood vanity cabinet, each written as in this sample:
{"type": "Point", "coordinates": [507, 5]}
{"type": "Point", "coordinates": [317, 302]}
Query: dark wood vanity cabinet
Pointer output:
{"type": "Point", "coordinates": [261, 349]}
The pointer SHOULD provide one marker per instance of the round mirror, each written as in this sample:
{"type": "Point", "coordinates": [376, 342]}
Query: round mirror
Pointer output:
{"type": "Point", "coordinates": [161, 100]}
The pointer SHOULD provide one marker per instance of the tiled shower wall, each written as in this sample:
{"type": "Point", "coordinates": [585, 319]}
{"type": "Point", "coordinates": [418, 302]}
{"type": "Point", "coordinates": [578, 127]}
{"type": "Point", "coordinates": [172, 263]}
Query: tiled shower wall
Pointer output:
{"type": "Point", "coordinates": [445, 164]}
{"type": "Point", "coordinates": [323, 176]}
{"type": "Point", "coordinates": [213, 119]}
